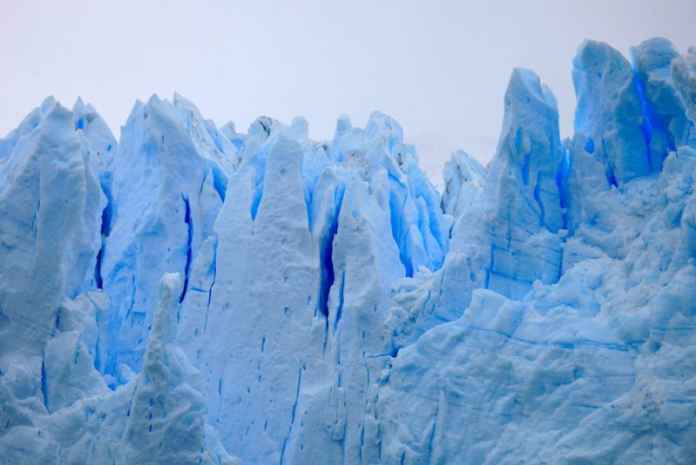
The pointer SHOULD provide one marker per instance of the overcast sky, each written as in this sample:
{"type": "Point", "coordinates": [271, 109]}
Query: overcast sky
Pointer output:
{"type": "Point", "coordinates": [440, 68]}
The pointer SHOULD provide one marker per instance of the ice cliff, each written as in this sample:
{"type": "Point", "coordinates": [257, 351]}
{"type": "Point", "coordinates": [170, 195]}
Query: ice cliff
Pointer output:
{"type": "Point", "coordinates": [190, 294]}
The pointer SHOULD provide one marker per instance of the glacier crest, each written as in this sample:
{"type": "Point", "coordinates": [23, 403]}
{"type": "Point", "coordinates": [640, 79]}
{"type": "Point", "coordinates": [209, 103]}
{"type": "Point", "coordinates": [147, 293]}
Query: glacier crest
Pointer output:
{"type": "Point", "coordinates": [195, 294]}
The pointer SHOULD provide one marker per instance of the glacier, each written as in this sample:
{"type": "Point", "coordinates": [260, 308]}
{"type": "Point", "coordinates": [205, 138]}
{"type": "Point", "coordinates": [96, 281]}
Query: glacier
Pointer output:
{"type": "Point", "coordinates": [191, 294]}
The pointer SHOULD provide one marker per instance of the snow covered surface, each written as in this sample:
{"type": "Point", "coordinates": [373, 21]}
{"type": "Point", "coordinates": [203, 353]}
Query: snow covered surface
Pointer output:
{"type": "Point", "coordinates": [195, 295]}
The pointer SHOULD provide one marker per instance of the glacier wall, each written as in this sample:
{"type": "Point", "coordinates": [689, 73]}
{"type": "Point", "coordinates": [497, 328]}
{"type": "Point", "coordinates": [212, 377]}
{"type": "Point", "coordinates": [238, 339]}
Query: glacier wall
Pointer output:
{"type": "Point", "coordinates": [191, 294]}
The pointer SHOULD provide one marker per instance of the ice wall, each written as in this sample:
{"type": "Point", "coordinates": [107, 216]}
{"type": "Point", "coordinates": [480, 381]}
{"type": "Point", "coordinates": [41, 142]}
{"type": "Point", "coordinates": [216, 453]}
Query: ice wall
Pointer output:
{"type": "Point", "coordinates": [189, 294]}
{"type": "Point", "coordinates": [285, 320]}
{"type": "Point", "coordinates": [168, 182]}
{"type": "Point", "coordinates": [56, 406]}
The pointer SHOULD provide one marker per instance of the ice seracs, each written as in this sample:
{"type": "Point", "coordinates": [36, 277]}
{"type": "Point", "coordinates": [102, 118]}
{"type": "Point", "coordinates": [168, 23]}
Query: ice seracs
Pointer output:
{"type": "Point", "coordinates": [464, 177]}
{"type": "Point", "coordinates": [596, 350]}
{"type": "Point", "coordinates": [665, 123]}
{"type": "Point", "coordinates": [167, 414]}
{"type": "Point", "coordinates": [189, 294]}
{"type": "Point", "coordinates": [592, 352]}
{"type": "Point", "coordinates": [294, 213]}
{"type": "Point", "coordinates": [168, 182]}
{"type": "Point", "coordinates": [527, 211]}
{"type": "Point", "coordinates": [47, 171]}
{"type": "Point", "coordinates": [609, 122]}
{"type": "Point", "coordinates": [683, 76]}
{"type": "Point", "coordinates": [56, 404]}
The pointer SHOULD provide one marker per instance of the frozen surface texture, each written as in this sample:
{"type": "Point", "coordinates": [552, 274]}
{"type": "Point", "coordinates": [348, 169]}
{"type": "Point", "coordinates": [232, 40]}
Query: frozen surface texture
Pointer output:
{"type": "Point", "coordinates": [464, 180]}
{"type": "Point", "coordinates": [195, 295]}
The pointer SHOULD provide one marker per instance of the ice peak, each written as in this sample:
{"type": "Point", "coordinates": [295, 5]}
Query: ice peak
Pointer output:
{"type": "Point", "coordinates": [653, 54]}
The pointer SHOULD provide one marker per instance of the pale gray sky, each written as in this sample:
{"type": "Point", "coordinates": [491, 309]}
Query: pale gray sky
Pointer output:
{"type": "Point", "coordinates": [439, 67]}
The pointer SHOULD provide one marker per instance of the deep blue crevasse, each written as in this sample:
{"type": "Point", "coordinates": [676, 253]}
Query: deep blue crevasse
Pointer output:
{"type": "Point", "coordinates": [189, 240]}
{"type": "Point", "coordinates": [327, 272]}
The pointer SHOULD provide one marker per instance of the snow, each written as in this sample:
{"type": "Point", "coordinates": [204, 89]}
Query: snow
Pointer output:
{"type": "Point", "coordinates": [188, 294]}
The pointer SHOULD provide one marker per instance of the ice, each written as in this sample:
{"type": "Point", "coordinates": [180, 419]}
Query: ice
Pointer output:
{"type": "Point", "coordinates": [527, 210]}
{"type": "Point", "coordinates": [56, 406]}
{"type": "Point", "coordinates": [166, 416]}
{"type": "Point", "coordinates": [464, 180]}
{"type": "Point", "coordinates": [188, 294]}
{"type": "Point", "coordinates": [608, 117]}
{"type": "Point", "coordinates": [583, 370]}
{"type": "Point", "coordinates": [683, 76]}
{"type": "Point", "coordinates": [538, 379]}
{"type": "Point", "coordinates": [158, 223]}
{"type": "Point", "coordinates": [294, 213]}
{"type": "Point", "coordinates": [48, 171]}
{"type": "Point", "coordinates": [665, 123]}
